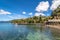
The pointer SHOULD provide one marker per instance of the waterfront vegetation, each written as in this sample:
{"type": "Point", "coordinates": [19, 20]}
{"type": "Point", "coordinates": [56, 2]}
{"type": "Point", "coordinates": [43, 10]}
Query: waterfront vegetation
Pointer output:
{"type": "Point", "coordinates": [32, 20]}
{"type": "Point", "coordinates": [35, 19]}
{"type": "Point", "coordinates": [39, 19]}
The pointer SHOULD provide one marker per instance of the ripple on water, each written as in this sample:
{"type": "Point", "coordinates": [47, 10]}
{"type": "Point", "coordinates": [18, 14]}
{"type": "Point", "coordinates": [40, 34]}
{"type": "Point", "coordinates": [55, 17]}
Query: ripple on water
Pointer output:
{"type": "Point", "coordinates": [8, 31]}
{"type": "Point", "coordinates": [38, 36]}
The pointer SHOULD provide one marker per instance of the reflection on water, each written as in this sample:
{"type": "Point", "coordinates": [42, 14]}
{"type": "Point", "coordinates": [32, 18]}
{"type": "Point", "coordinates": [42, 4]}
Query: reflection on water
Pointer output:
{"type": "Point", "coordinates": [9, 31]}
{"type": "Point", "coordinates": [38, 36]}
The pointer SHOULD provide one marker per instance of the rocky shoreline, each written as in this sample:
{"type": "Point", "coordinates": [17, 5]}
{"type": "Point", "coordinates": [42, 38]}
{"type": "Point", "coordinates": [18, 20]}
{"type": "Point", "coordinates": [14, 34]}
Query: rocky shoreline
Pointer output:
{"type": "Point", "coordinates": [55, 30]}
{"type": "Point", "coordinates": [55, 33]}
{"type": "Point", "coordinates": [54, 26]}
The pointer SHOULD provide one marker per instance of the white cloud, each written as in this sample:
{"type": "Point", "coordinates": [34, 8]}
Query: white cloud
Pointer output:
{"type": "Point", "coordinates": [42, 6]}
{"type": "Point", "coordinates": [24, 12]}
{"type": "Point", "coordinates": [55, 4]}
{"type": "Point", "coordinates": [10, 17]}
{"type": "Point", "coordinates": [38, 14]}
{"type": "Point", "coordinates": [17, 16]}
{"type": "Point", "coordinates": [30, 14]}
{"type": "Point", "coordinates": [4, 12]}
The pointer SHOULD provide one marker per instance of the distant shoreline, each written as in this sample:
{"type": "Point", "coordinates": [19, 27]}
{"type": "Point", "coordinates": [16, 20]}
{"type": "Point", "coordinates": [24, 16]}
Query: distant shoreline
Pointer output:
{"type": "Point", "coordinates": [27, 23]}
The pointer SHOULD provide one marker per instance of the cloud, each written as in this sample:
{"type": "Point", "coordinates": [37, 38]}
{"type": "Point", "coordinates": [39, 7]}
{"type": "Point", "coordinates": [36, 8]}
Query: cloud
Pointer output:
{"type": "Point", "coordinates": [30, 14]}
{"type": "Point", "coordinates": [24, 12]}
{"type": "Point", "coordinates": [4, 12]}
{"type": "Point", "coordinates": [38, 14]}
{"type": "Point", "coordinates": [42, 6]}
{"type": "Point", "coordinates": [55, 4]}
{"type": "Point", "coordinates": [17, 16]}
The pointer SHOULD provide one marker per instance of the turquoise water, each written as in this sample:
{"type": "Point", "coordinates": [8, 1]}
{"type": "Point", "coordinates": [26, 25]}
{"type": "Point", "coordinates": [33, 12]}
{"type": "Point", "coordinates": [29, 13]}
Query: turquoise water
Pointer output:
{"type": "Point", "coordinates": [9, 31]}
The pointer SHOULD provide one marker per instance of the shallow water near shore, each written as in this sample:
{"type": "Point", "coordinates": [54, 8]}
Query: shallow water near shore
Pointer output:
{"type": "Point", "coordinates": [9, 31]}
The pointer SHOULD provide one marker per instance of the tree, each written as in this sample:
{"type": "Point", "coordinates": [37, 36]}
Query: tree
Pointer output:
{"type": "Point", "coordinates": [56, 13]}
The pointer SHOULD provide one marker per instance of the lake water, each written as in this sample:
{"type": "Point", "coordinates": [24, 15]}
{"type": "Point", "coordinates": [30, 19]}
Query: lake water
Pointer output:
{"type": "Point", "coordinates": [9, 31]}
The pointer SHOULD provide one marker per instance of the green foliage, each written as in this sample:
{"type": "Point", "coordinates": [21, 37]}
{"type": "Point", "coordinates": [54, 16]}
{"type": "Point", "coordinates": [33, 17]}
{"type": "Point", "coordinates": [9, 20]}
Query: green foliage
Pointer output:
{"type": "Point", "coordinates": [56, 12]}
{"type": "Point", "coordinates": [35, 19]}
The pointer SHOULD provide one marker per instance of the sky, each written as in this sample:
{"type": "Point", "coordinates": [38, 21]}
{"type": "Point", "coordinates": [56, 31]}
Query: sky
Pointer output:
{"type": "Point", "coordinates": [18, 9]}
